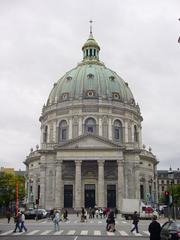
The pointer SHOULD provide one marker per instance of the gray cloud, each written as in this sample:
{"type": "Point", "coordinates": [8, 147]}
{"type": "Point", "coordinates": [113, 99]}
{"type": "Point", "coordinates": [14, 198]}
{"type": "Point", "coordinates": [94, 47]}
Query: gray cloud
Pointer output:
{"type": "Point", "coordinates": [40, 41]}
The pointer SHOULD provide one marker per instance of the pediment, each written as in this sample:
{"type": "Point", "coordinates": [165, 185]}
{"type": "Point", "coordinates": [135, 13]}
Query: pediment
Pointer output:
{"type": "Point", "coordinates": [88, 142]}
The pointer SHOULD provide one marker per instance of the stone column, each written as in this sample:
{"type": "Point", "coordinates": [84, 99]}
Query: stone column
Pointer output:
{"type": "Point", "coordinates": [126, 132]}
{"type": "Point", "coordinates": [120, 187]}
{"type": "Point", "coordinates": [137, 182]}
{"type": "Point", "coordinates": [58, 185]}
{"type": "Point", "coordinates": [78, 203]}
{"type": "Point", "coordinates": [110, 128]}
{"type": "Point", "coordinates": [101, 183]}
{"type": "Point", "coordinates": [70, 128]}
{"type": "Point", "coordinates": [140, 138]}
{"type": "Point", "coordinates": [132, 132]}
{"type": "Point", "coordinates": [80, 126]}
{"type": "Point", "coordinates": [100, 127]}
{"type": "Point", "coordinates": [54, 132]}
{"type": "Point", "coordinates": [42, 185]}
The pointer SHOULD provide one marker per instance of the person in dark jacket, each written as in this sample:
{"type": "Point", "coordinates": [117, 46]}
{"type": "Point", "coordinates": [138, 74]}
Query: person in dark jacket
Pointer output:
{"type": "Point", "coordinates": [135, 222]}
{"type": "Point", "coordinates": [154, 229]}
{"type": "Point", "coordinates": [110, 222]}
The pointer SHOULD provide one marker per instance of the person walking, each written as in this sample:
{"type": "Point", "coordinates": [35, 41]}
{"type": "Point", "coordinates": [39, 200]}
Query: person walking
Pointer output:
{"type": "Point", "coordinates": [82, 214]}
{"type": "Point", "coordinates": [135, 222]}
{"type": "Point", "coordinates": [17, 220]}
{"type": "Point", "coordinates": [110, 227]}
{"type": "Point", "coordinates": [23, 227]}
{"type": "Point", "coordinates": [8, 215]}
{"type": "Point", "coordinates": [66, 215]}
{"type": "Point", "coordinates": [154, 229]}
{"type": "Point", "coordinates": [56, 221]}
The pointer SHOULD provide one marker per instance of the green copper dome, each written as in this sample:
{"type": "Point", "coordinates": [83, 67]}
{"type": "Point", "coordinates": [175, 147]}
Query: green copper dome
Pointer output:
{"type": "Point", "coordinates": [91, 79]}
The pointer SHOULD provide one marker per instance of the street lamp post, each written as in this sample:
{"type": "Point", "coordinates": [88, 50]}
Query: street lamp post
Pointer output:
{"type": "Point", "coordinates": [171, 178]}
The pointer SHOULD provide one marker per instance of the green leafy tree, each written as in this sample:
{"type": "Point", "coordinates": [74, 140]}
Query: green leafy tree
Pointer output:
{"type": "Point", "coordinates": [8, 188]}
{"type": "Point", "coordinates": [175, 192]}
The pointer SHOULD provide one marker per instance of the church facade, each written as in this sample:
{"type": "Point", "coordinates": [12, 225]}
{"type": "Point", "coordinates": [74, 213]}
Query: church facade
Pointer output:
{"type": "Point", "coordinates": [91, 150]}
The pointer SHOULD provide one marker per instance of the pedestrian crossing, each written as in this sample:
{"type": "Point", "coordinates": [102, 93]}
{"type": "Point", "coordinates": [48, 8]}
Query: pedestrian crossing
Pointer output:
{"type": "Point", "coordinates": [75, 232]}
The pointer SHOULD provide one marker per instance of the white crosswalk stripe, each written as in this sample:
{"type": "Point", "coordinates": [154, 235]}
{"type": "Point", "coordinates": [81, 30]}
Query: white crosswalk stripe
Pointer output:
{"type": "Point", "coordinates": [110, 233]}
{"type": "Point", "coordinates": [123, 233]}
{"type": "Point", "coordinates": [6, 233]}
{"type": "Point", "coordinates": [146, 232]}
{"type": "Point", "coordinates": [33, 232]}
{"type": "Point", "coordinates": [46, 232]}
{"type": "Point", "coordinates": [84, 232]}
{"type": "Point", "coordinates": [137, 234]}
{"type": "Point", "coordinates": [59, 232]}
{"type": "Point", "coordinates": [96, 232]}
{"type": "Point", "coordinates": [18, 233]}
{"type": "Point", "coordinates": [71, 232]}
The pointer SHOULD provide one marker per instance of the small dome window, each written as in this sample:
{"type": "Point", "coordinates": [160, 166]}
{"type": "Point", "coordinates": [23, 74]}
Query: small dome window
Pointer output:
{"type": "Point", "coordinates": [90, 75]}
{"type": "Point", "coordinates": [132, 101]}
{"type": "Point", "coordinates": [112, 78]}
{"type": "Point", "coordinates": [64, 96]}
{"type": "Point", "coordinates": [116, 95]}
{"type": "Point", "coordinates": [90, 93]}
{"type": "Point", "coordinates": [69, 78]}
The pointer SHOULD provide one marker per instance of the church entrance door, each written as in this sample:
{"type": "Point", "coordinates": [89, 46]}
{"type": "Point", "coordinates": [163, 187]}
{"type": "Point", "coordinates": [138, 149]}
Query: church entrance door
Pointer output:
{"type": "Point", "coordinates": [111, 196]}
{"type": "Point", "coordinates": [68, 196]}
{"type": "Point", "coordinates": [89, 195]}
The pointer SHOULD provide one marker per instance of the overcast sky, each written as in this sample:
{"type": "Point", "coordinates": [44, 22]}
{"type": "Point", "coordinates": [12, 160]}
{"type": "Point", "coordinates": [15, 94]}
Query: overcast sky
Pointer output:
{"type": "Point", "coordinates": [41, 40]}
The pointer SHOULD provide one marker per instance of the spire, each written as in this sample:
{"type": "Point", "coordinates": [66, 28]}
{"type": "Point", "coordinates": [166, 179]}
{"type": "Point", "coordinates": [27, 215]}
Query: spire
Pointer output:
{"type": "Point", "coordinates": [90, 26]}
{"type": "Point", "coordinates": [90, 35]}
{"type": "Point", "coordinates": [91, 48]}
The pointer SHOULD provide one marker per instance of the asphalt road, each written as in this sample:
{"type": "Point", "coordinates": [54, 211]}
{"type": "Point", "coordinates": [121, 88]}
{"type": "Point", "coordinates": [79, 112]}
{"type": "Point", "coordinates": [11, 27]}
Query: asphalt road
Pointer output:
{"type": "Point", "coordinates": [74, 230]}
{"type": "Point", "coordinates": [71, 238]}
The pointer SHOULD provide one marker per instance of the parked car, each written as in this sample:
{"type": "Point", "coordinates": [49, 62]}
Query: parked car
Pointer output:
{"type": "Point", "coordinates": [33, 214]}
{"type": "Point", "coordinates": [170, 230]}
{"type": "Point", "coordinates": [44, 212]}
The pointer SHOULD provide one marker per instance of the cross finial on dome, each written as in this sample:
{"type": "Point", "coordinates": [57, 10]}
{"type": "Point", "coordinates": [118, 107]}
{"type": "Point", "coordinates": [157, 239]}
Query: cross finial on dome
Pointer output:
{"type": "Point", "coordinates": [90, 26]}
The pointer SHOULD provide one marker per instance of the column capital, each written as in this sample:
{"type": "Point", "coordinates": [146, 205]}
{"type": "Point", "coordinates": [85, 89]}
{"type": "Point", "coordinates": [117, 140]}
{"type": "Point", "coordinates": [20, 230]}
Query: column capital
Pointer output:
{"type": "Point", "coordinates": [120, 162]}
{"type": "Point", "coordinates": [59, 162]}
{"type": "Point", "coordinates": [78, 162]}
{"type": "Point", "coordinates": [101, 162]}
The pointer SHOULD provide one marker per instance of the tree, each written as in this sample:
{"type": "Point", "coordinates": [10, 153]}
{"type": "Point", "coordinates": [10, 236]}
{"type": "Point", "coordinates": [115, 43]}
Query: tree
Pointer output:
{"type": "Point", "coordinates": [8, 188]}
{"type": "Point", "coordinates": [175, 192]}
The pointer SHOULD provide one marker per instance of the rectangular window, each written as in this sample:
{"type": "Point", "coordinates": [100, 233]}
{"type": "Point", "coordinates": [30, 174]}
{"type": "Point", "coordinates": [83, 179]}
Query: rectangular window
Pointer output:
{"type": "Point", "coordinates": [63, 134]}
{"type": "Point", "coordinates": [90, 129]}
{"type": "Point", "coordinates": [150, 189]}
{"type": "Point", "coordinates": [117, 136]}
{"type": "Point", "coordinates": [141, 191]}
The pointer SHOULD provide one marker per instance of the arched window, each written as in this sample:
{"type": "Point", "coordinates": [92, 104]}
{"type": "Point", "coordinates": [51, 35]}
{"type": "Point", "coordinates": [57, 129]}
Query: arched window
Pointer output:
{"type": "Point", "coordinates": [45, 135]}
{"type": "Point", "coordinates": [117, 131]}
{"type": "Point", "coordinates": [90, 125]}
{"type": "Point", "coordinates": [63, 131]}
{"type": "Point", "coordinates": [135, 134]}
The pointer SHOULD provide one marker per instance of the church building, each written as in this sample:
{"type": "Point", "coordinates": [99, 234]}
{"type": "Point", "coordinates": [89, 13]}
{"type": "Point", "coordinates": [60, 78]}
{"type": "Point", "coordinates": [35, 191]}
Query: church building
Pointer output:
{"type": "Point", "coordinates": [91, 150]}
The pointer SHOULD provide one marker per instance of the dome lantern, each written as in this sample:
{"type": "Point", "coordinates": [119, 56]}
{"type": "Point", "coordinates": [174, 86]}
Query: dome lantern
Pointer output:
{"type": "Point", "coordinates": [91, 48]}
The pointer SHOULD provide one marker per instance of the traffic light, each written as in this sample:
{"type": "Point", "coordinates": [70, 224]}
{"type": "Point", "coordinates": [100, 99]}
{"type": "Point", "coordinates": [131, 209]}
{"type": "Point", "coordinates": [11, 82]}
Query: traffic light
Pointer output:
{"type": "Point", "coordinates": [166, 197]}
